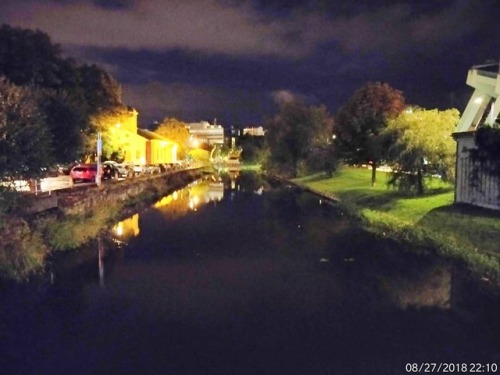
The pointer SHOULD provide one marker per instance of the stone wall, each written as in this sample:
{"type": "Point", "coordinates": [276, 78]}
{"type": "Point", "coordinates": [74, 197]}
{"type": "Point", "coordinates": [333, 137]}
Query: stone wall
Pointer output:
{"type": "Point", "coordinates": [80, 200]}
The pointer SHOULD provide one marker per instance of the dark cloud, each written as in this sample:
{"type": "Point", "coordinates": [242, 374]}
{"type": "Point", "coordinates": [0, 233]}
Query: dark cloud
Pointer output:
{"type": "Point", "coordinates": [232, 59]}
{"type": "Point", "coordinates": [212, 26]}
{"type": "Point", "coordinates": [114, 4]}
{"type": "Point", "coordinates": [205, 26]}
{"type": "Point", "coordinates": [192, 103]}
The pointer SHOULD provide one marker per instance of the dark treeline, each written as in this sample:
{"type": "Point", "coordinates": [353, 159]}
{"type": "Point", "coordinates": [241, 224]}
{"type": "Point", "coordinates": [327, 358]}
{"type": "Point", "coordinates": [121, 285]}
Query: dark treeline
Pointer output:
{"type": "Point", "coordinates": [46, 101]}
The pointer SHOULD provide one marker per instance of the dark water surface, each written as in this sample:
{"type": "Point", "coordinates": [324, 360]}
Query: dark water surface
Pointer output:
{"type": "Point", "coordinates": [240, 277]}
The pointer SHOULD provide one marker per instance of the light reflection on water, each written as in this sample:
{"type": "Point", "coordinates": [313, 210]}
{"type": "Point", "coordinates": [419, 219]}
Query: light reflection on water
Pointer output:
{"type": "Point", "coordinates": [177, 204]}
{"type": "Point", "coordinates": [234, 276]}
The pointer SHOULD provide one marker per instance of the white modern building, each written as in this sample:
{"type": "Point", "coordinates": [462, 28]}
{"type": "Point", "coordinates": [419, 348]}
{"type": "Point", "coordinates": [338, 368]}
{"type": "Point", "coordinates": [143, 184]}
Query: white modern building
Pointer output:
{"type": "Point", "coordinates": [203, 132]}
{"type": "Point", "coordinates": [482, 110]}
{"type": "Point", "coordinates": [257, 131]}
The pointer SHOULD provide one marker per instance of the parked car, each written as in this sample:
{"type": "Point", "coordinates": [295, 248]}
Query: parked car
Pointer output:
{"type": "Point", "coordinates": [137, 168]}
{"type": "Point", "coordinates": [152, 169]}
{"type": "Point", "coordinates": [113, 170]}
{"type": "Point", "coordinates": [163, 167]}
{"type": "Point", "coordinates": [66, 168]}
{"type": "Point", "coordinates": [184, 164]}
{"type": "Point", "coordinates": [174, 166]}
{"type": "Point", "coordinates": [84, 172]}
{"type": "Point", "coordinates": [51, 171]}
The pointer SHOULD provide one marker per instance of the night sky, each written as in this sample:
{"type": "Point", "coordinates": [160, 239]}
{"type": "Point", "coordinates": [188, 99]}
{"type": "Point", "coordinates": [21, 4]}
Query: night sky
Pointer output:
{"type": "Point", "coordinates": [234, 60]}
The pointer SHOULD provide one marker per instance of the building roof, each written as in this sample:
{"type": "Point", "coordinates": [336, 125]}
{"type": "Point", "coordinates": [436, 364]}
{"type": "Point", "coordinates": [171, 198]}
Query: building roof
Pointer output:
{"type": "Point", "coordinates": [484, 104]}
{"type": "Point", "coordinates": [493, 67]}
{"type": "Point", "coordinates": [148, 134]}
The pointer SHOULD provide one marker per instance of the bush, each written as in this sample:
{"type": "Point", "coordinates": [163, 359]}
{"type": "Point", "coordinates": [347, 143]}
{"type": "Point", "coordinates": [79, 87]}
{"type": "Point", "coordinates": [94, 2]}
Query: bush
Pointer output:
{"type": "Point", "coordinates": [22, 252]}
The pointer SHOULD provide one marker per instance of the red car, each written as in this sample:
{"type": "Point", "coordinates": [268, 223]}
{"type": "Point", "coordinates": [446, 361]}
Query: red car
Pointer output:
{"type": "Point", "coordinates": [84, 172]}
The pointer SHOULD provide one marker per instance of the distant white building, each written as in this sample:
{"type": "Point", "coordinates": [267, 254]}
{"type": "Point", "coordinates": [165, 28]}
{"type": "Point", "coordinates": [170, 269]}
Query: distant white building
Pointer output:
{"type": "Point", "coordinates": [482, 110]}
{"type": "Point", "coordinates": [203, 132]}
{"type": "Point", "coordinates": [254, 131]}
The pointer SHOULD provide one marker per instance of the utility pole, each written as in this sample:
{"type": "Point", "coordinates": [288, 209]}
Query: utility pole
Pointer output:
{"type": "Point", "coordinates": [99, 152]}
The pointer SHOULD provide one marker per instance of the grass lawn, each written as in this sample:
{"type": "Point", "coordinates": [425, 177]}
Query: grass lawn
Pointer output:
{"type": "Point", "coordinates": [251, 167]}
{"type": "Point", "coordinates": [467, 228]}
{"type": "Point", "coordinates": [353, 187]}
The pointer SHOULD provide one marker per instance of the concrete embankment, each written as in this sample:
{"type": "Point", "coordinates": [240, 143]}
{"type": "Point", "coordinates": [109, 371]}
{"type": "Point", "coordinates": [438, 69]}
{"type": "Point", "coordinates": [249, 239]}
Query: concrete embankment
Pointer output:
{"type": "Point", "coordinates": [329, 197]}
{"type": "Point", "coordinates": [82, 199]}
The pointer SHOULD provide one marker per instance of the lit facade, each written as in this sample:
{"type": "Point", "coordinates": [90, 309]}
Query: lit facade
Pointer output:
{"type": "Point", "coordinates": [124, 136]}
{"type": "Point", "coordinates": [158, 149]}
{"type": "Point", "coordinates": [140, 146]}
{"type": "Point", "coordinates": [203, 132]}
{"type": "Point", "coordinates": [482, 110]}
{"type": "Point", "coordinates": [254, 131]}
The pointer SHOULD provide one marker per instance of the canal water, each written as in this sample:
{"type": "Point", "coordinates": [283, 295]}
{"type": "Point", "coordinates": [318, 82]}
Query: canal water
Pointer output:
{"type": "Point", "coordinates": [234, 275]}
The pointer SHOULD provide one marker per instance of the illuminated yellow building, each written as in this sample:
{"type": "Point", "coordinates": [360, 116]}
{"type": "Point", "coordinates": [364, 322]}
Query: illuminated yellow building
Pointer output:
{"type": "Point", "coordinates": [123, 136]}
{"type": "Point", "coordinates": [140, 146]}
{"type": "Point", "coordinates": [158, 149]}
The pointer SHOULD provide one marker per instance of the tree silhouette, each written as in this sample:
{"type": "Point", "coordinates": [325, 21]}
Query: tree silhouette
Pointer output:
{"type": "Point", "coordinates": [359, 124]}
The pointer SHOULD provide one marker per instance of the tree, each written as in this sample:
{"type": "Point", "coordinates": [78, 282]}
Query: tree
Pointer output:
{"type": "Point", "coordinates": [252, 148]}
{"type": "Point", "coordinates": [25, 142]}
{"type": "Point", "coordinates": [71, 94]}
{"type": "Point", "coordinates": [67, 120]}
{"type": "Point", "coordinates": [105, 122]}
{"type": "Point", "coordinates": [177, 131]}
{"type": "Point", "coordinates": [293, 135]}
{"type": "Point", "coordinates": [101, 91]}
{"type": "Point", "coordinates": [360, 124]}
{"type": "Point", "coordinates": [29, 57]}
{"type": "Point", "coordinates": [422, 145]}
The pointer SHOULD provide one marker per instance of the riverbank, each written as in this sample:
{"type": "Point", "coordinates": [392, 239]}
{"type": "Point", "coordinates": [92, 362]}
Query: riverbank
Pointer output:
{"type": "Point", "coordinates": [27, 239]}
{"type": "Point", "coordinates": [431, 223]}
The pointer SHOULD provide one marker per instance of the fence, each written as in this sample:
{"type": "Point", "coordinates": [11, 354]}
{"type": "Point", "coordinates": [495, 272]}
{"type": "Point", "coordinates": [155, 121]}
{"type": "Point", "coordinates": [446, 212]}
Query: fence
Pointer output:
{"type": "Point", "coordinates": [482, 190]}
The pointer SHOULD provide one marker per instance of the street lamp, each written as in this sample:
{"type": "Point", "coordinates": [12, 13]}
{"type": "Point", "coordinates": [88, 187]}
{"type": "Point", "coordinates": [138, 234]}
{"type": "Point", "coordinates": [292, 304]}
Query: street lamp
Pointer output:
{"type": "Point", "coordinates": [99, 152]}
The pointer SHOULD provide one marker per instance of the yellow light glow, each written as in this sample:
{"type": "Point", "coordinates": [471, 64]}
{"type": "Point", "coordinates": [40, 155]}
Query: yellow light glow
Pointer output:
{"type": "Point", "coordinates": [119, 229]}
{"type": "Point", "coordinates": [165, 201]}
{"type": "Point", "coordinates": [127, 228]}
{"type": "Point", "coordinates": [193, 202]}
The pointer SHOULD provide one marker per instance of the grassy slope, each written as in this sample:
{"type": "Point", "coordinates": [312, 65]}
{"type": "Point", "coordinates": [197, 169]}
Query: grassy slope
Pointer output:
{"type": "Point", "coordinates": [432, 215]}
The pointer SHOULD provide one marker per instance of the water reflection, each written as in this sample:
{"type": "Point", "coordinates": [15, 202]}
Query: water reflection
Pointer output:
{"type": "Point", "coordinates": [204, 191]}
{"type": "Point", "coordinates": [127, 228]}
{"type": "Point", "coordinates": [379, 273]}
{"type": "Point", "coordinates": [432, 288]}
{"type": "Point", "coordinates": [100, 257]}
{"type": "Point", "coordinates": [209, 189]}
{"type": "Point", "coordinates": [245, 284]}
